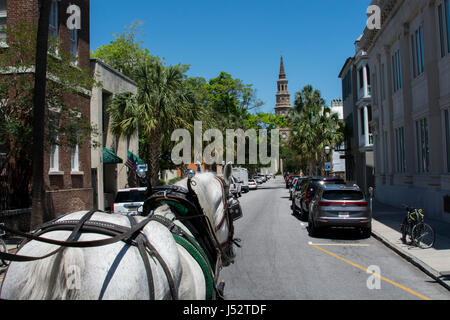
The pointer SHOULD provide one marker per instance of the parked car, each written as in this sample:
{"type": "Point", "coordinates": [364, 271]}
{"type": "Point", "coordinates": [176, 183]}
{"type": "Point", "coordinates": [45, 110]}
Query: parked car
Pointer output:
{"type": "Point", "coordinates": [241, 174]}
{"type": "Point", "coordinates": [289, 179]}
{"type": "Point", "coordinates": [258, 180]}
{"type": "Point", "coordinates": [252, 184]}
{"type": "Point", "coordinates": [292, 186]}
{"type": "Point", "coordinates": [307, 190]}
{"type": "Point", "coordinates": [340, 206]}
{"type": "Point", "coordinates": [235, 187]}
{"type": "Point", "coordinates": [129, 201]}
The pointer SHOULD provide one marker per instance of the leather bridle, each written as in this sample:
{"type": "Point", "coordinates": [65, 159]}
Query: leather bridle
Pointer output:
{"type": "Point", "coordinates": [134, 235]}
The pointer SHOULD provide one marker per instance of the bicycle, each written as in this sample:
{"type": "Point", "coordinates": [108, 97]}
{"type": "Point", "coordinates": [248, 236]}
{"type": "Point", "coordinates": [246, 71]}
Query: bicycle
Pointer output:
{"type": "Point", "coordinates": [420, 233]}
{"type": "Point", "coordinates": [3, 247]}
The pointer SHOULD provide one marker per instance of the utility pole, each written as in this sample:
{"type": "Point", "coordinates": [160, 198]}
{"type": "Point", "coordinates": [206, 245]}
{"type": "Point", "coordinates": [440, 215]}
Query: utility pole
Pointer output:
{"type": "Point", "coordinates": [40, 78]}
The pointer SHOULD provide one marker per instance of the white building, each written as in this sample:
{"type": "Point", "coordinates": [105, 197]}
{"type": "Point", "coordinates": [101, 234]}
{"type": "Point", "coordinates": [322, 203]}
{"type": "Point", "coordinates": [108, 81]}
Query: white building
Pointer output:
{"type": "Point", "coordinates": [338, 157]}
{"type": "Point", "coordinates": [409, 61]}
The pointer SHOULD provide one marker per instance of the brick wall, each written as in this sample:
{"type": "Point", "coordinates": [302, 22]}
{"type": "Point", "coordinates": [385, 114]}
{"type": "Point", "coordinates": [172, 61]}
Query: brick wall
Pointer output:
{"type": "Point", "coordinates": [66, 192]}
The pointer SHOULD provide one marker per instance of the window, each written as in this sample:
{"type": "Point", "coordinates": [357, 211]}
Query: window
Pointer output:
{"type": "Point", "coordinates": [54, 158]}
{"type": "Point", "coordinates": [417, 52]}
{"type": "Point", "coordinates": [3, 15]}
{"type": "Point", "coordinates": [400, 149]}
{"type": "Point", "coordinates": [397, 71]}
{"type": "Point", "coordinates": [447, 137]}
{"type": "Point", "coordinates": [363, 122]}
{"type": "Point", "coordinates": [53, 27]}
{"type": "Point", "coordinates": [74, 159]}
{"type": "Point", "coordinates": [383, 79]}
{"type": "Point", "coordinates": [361, 78]}
{"type": "Point", "coordinates": [423, 151]}
{"type": "Point", "coordinates": [441, 30]}
{"type": "Point", "coordinates": [347, 84]}
{"type": "Point", "coordinates": [53, 123]}
{"type": "Point", "coordinates": [74, 42]}
{"type": "Point", "coordinates": [447, 20]}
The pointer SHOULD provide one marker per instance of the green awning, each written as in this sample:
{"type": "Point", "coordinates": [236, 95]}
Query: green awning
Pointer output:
{"type": "Point", "coordinates": [133, 157]}
{"type": "Point", "coordinates": [110, 157]}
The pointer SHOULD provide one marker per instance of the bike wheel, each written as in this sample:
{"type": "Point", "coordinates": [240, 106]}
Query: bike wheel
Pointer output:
{"type": "Point", "coordinates": [3, 248]}
{"type": "Point", "coordinates": [423, 236]}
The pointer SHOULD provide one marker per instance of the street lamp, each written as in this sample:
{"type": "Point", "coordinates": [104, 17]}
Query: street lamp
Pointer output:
{"type": "Point", "coordinates": [327, 152]}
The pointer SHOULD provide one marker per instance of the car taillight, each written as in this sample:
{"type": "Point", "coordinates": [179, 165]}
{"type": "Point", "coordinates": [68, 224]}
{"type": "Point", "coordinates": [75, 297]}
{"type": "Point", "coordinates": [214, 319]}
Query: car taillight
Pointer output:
{"type": "Point", "coordinates": [330, 203]}
{"type": "Point", "coordinates": [362, 204]}
{"type": "Point", "coordinates": [112, 207]}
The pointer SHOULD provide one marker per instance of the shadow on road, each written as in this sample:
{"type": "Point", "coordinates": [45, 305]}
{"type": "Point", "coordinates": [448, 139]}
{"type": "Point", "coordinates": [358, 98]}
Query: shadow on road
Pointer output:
{"type": "Point", "coordinates": [340, 234]}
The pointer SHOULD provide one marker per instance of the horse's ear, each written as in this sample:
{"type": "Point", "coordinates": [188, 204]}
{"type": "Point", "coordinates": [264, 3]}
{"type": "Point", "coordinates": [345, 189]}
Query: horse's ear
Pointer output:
{"type": "Point", "coordinates": [227, 172]}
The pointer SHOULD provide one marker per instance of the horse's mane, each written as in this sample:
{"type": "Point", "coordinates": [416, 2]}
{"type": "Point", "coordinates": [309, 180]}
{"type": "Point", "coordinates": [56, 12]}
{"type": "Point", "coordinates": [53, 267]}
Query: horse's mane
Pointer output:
{"type": "Point", "coordinates": [202, 188]}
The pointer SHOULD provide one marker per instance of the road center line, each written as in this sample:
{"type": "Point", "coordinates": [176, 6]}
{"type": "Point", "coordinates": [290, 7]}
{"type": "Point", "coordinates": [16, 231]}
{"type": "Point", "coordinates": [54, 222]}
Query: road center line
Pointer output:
{"type": "Point", "coordinates": [370, 272]}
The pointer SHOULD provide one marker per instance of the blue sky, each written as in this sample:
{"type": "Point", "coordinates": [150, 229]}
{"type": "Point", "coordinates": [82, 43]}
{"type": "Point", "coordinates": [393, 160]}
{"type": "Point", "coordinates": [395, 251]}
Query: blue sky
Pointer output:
{"type": "Point", "coordinates": [244, 38]}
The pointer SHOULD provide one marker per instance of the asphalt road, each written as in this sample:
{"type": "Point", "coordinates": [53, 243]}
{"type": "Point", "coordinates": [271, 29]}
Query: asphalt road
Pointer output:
{"type": "Point", "coordinates": [279, 260]}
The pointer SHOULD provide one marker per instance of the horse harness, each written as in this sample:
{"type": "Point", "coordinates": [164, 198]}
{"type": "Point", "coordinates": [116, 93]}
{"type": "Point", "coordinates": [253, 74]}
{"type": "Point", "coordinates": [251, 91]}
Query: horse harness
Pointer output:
{"type": "Point", "coordinates": [183, 202]}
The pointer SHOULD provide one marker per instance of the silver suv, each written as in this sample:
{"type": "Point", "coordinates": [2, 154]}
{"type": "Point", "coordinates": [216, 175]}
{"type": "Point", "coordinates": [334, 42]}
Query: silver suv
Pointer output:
{"type": "Point", "coordinates": [340, 206]}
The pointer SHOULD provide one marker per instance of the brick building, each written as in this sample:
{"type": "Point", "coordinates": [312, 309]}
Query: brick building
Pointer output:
{"type": "Point", "coordinates": [67, 174]}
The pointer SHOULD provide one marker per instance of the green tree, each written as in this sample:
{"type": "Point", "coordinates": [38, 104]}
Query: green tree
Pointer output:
{"type": "Point", "coordinates": [125, 53]}
{"type": "Point", "coordinates": [161, 105]}
{"type": "Point", "coordinates": [313, 127]}
{"type": "Point", "coordinates": [17, 88]}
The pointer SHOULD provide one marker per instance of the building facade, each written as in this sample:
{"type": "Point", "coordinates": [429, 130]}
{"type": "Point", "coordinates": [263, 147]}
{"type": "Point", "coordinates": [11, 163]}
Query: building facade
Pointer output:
{"type": "Point", "coordinates": [409, 59]}
{"type": "Point", "coordinates": [109, 172]}
{"type": "Point", "coordinates": [357, 113]}
{"type": "Point", "coordinates": [67, 175]}
{"type": "Point", "coordinates": [338, 156]}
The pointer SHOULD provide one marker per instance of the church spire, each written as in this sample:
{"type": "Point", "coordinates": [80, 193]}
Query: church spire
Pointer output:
{"type": "Point", "coordinates": [282, 72]}
{"type": "Point", "coordinates": [283, 97]}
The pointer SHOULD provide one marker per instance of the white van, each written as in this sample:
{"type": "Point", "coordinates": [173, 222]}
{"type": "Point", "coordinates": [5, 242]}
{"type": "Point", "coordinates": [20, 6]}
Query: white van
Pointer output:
{"type": "Point", "coordinates": [241, 174]}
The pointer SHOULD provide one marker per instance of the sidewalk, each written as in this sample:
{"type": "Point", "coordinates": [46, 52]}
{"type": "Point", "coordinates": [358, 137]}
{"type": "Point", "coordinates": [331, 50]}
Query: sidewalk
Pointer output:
{"type": "Point", "coordinates": [434, 261]}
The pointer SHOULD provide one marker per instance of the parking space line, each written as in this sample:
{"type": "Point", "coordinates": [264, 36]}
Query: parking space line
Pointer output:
{"type": "Point", "coordinates": [339, 244]}
{"type": "Point", "coordinates": [370, 272]}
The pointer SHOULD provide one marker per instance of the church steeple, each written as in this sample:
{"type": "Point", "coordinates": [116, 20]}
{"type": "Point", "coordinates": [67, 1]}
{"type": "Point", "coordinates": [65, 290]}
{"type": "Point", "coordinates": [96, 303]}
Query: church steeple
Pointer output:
{"type": "Point", "coordinates": [283, 96]}
{"type": "Point", "coordinates": [282, 72]}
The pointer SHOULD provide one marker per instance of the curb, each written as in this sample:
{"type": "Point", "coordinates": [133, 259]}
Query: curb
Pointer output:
{"type": "Point", "coordinates": [413, 260]}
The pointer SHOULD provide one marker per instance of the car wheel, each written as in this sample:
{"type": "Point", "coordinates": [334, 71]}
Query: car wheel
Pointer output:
{"type": "Point", "coordinates": [294, 209]}
{"type": "Point", "coordinates": [303, 215]}
{"type": "Point", "coordinates": [313, 230]}
{"type": "Point", "coordinates": [366, 232]}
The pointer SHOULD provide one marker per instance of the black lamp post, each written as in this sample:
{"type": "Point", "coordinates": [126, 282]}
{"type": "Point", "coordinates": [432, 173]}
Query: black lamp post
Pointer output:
{"type": "Point", "coordinates": [327, 152]}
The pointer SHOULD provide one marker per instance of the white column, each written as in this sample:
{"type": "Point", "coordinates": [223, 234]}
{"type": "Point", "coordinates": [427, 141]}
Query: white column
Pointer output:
{"type": "Point", "coordinates": [366, 125]}
{"type": "Point", "coordinates": [366, 88]}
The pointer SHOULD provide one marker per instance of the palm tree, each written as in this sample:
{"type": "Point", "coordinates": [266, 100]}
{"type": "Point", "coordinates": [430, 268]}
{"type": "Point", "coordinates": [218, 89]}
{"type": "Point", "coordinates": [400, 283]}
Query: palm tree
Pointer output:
{"type": "Point", "coordinates": [313, 128]}
{"type": "Point", "coordinates": [161, 105]}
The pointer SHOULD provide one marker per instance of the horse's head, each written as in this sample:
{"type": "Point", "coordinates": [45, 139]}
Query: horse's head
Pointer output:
{"type": "Point", "coordinates": [212, 193]}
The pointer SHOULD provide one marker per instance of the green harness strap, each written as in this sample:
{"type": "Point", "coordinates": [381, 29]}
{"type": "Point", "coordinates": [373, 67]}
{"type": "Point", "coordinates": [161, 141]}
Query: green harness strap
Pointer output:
{"type": "Point", "coordinates": [198, 257]}
{"type": "Point", "coordinates": [204, 265]}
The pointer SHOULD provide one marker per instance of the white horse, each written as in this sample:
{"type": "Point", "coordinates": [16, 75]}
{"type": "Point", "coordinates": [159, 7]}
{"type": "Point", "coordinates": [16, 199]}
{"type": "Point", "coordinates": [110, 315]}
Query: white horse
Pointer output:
{"type": "Point", "coordinates": [116, 271]}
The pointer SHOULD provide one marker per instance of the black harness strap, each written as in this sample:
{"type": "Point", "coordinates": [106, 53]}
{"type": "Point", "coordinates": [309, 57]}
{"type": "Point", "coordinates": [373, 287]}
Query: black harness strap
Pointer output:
{"type": "Point", "coordinates": [141, 241]}
{"type": "Point", "coordinates": [55, 268]}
